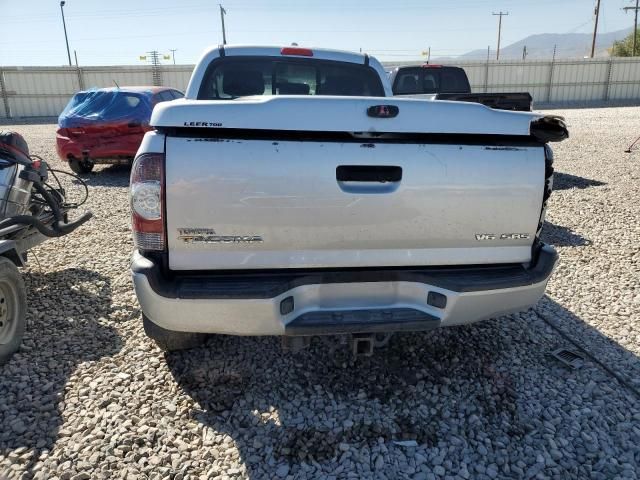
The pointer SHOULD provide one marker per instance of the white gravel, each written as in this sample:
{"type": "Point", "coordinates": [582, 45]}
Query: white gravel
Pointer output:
{"type": "Point", "coordinates": [89, 397]}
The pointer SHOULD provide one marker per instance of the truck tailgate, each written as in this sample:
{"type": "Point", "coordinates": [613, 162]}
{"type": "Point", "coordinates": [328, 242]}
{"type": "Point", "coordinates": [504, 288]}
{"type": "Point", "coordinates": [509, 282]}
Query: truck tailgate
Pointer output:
{"type": "Point", "coordinates": [240, 203]}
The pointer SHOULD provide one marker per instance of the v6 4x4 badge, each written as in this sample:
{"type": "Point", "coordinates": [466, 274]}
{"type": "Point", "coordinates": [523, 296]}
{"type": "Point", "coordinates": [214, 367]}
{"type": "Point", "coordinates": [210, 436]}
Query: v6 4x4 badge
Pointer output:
{"type": "Point", "coordinates": [481, 237]}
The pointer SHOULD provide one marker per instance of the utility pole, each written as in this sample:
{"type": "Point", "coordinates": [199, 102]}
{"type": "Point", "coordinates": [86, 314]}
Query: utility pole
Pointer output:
{"type": "Point", "coordinates": [154, 57]}
{"type": "Point", "coordinates": [64, 25]}
{"type": "Point", "coordinates": [501, 14]}
{"type": "Point", "coordinates": [223, 12]}
{"type": "Point", "coordinates": [550, 82]}
{"type": "Point", "coordinates": [80, 78]}
{"type": "Point", "coordinates": [486, 69]}
{"type": "Point", "coordinates": [595, 29]}
{"type": "Point", "coordinates": [173, 54]}
{"type": "Point", "coordinates": [635, 24]}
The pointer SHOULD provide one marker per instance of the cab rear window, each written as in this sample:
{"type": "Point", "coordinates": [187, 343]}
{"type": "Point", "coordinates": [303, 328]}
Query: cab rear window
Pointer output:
{"type": "Point", "coordinates": [431, 80]}
{"type": "Point", "coordinates": [228, 78]}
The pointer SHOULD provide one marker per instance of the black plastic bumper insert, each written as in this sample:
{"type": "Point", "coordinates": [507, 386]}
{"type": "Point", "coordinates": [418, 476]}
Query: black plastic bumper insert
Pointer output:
{"type": "Point", "coordinates": [362, 321]}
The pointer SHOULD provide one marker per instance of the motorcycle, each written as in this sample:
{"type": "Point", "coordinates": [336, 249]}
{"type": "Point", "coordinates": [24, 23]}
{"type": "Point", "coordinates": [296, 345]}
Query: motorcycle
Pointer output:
{"type": "Point", "coordinates": [33, 208]}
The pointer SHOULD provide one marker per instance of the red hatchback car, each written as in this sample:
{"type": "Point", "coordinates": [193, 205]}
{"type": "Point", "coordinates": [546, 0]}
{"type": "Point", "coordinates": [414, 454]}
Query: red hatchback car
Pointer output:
{"type": "Point", "coordinates": [107, 125]}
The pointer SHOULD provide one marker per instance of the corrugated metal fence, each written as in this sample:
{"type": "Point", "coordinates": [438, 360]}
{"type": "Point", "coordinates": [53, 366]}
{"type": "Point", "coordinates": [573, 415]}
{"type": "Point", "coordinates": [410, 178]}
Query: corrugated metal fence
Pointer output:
{"type": "Point", "coordinates": [567, 81]}
{"type": "Point", "coordinates": [44, 91]}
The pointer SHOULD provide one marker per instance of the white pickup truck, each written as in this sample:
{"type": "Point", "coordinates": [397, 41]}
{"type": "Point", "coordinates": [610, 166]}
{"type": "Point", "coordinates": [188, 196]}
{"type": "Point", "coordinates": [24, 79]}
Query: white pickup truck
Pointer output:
{"type": "Point", "coordinates": [290, 194]}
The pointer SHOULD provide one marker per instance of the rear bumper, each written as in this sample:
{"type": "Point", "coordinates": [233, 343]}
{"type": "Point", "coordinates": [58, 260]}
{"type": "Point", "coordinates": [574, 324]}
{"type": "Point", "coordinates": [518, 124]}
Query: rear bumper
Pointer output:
{"type": "Point", "coordinates": [332, 302]}
{"type": "Point", "coordinates": [107, 149]}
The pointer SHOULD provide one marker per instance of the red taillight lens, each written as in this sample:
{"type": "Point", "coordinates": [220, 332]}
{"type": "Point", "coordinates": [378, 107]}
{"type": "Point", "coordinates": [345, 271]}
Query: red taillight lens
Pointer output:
{"type": "Point", "coordinates": [428, 65]}
{"type": "Point", "coordinates": [301, 52]}
{"type": "Point", "coordinates": [146, 194]}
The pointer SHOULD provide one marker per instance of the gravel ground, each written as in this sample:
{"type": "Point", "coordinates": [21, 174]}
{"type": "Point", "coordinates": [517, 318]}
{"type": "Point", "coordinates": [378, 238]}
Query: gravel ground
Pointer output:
{"type": "Point", "coordinates": [88, 396]}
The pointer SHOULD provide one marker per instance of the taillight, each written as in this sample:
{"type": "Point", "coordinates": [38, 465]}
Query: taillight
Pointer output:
{"type": "Point", "coordinates": [548, 185]}
{"type": "Point", "coordinates": [146, 192]}
{"type": "Point", "coordinates": [301, 52]}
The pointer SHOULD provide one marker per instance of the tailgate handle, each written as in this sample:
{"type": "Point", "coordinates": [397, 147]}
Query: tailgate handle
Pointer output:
{"type": "Point", "coordinates": [368, 173]}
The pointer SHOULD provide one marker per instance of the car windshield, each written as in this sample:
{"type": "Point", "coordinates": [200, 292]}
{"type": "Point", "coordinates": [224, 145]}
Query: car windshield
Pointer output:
{"type": "Point", "coordinates": [106, 106]}
{"type": "Point", "coordinates": [228, 78]}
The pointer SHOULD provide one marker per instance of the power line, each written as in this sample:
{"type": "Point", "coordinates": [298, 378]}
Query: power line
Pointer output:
{"type": "Point", "coordinates": [169, 34]}
{"type": "Point", "coordinates": [501, 14]}
{"type": "Point", "coordinates": [186, 10]}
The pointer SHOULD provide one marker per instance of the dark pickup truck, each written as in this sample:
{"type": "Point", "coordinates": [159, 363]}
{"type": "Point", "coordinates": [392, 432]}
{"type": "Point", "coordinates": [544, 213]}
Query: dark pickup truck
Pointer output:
{"type": "Point", "coordinates": [441, 82]}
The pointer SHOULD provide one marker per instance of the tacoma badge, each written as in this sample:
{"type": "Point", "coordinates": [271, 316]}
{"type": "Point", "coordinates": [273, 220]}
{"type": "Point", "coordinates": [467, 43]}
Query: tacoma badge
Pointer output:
{"type": "Point", "coordinates": [209, 235]}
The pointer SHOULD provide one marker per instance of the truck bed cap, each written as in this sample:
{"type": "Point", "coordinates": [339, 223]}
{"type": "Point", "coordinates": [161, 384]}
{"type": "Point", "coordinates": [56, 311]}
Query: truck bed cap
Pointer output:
{"type": "Point", "coordinates": [341, 114]}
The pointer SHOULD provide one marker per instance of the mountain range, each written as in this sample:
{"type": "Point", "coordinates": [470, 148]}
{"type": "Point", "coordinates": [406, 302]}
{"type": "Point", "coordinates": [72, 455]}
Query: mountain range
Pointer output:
{"type": "Point", "coordinates": [568, 45]}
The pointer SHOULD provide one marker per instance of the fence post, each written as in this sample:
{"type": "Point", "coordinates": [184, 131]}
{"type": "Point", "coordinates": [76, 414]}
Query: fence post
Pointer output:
{"type": "Point", "coordinates": [80, 78]}
{"type": "Point", "coordinates": [5, 96]}
{"type": "Point", "coordinates": [608, 85]}
{"type": "Point", "coordinates": [550, 85]}
{"type": "Point", "coordinates": [486, 72]}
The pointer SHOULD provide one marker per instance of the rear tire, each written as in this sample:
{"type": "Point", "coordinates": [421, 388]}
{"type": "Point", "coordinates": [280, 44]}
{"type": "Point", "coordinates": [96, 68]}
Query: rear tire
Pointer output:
{"type": "Point", "coordinates": [81, 166]}
{"type": "Point", "coordinates": [13, 309]}
{"type": "Point", "coordinates": [169, 340]}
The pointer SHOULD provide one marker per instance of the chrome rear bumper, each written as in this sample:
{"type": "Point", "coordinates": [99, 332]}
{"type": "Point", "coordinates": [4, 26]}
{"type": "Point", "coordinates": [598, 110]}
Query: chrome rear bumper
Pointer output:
{"type": "Point", "coordinates": [332, 302]}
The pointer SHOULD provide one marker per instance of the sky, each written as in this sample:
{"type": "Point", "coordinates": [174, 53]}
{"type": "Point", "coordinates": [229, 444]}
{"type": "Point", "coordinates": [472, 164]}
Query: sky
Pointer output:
{"type": "Point", "coordinates": [117, 32]}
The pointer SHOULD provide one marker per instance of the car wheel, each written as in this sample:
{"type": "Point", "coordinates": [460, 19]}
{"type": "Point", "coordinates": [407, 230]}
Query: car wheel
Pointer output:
{"type": "Point", "coordinates": [80, 166]}
{"type": "Point", "coordinates": [170, 341]}
{"type": "Point", "coordinates": [13, 309]}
